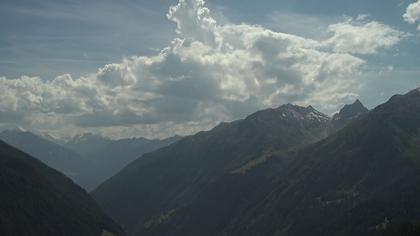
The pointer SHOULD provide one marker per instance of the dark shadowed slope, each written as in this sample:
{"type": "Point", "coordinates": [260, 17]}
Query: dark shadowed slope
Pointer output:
{"type": "Point", "coordinates": [197, 185]}
{"type": "Point", "coordinates": [37, 200]}
{"type": "Point", "coordinates": [58, 157]}
{"type": "Point", "coordinates": [360, 181]}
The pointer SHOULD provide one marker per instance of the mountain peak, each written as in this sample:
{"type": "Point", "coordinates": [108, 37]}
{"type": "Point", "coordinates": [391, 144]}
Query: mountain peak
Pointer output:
{"type": "Point", "coordinates": [302, 113]}
{"type": "Point", "coordinates": [292, 107]}
{"type": "Point", "coordinates": [349, 112]}
{"type": "Point", "coordinates": [358, 102]}
{"type": "Point", "coordinates": [415, 91]}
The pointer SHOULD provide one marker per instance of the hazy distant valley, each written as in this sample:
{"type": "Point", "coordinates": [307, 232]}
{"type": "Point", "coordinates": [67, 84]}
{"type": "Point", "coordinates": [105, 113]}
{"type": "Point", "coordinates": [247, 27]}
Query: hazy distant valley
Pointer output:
{"type": "Point", "coordinates": [87, 159]}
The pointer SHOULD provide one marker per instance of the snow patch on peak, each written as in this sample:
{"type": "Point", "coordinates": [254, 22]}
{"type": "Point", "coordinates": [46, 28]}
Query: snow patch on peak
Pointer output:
{"type": "Point", "coordinates": [316, 115]}
{"type": "Point", "coordinates": [21, 129]}
{"type": "Point", "coordinates": [53, 138]}
{"type": "Point", "coordinates": [13, 129]}
{"type": "Point", "coordinates": [302, 113]}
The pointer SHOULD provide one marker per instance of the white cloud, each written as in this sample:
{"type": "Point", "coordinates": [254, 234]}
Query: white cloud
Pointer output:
{"type": "Point", "coordinates": [412, 14]}
{"type": "Point", "coordinates": [359, 36]}
{"type": "Point", "coordinates": [308, 26]}
{"type": "Point", "coordinates": [211, 72]}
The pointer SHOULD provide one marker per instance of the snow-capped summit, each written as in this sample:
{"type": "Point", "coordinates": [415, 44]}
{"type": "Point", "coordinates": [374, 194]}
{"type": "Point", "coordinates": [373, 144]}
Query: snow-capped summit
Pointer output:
{"type": "Point", "coordinates": [302, 113]}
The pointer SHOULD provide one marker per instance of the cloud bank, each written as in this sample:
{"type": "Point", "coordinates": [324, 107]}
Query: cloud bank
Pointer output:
{"type": "Point", "coordinates": [412, 14]}
{"type": "Point", "coordinates": [211, 72]}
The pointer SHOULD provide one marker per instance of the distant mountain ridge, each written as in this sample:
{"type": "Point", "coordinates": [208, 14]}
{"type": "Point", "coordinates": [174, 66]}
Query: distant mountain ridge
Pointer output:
{"type": "Point", "coordinates": [110, 156]}
{"type": "Point", "coordinates": [87, 159]}
{"type": "Point", "coordinates": [54, 155]}
{"type": "Point", "coordinates": [89, 144]}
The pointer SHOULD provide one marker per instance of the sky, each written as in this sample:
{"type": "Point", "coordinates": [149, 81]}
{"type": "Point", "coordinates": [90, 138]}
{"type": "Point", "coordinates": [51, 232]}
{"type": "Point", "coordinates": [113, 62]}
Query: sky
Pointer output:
{"type": "Point", "coordinates": [159, 68]}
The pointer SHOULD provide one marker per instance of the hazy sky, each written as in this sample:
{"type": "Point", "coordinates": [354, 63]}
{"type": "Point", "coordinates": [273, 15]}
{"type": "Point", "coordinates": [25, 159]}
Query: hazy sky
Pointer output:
{"type": "Point", "coordinates": [139, 68]}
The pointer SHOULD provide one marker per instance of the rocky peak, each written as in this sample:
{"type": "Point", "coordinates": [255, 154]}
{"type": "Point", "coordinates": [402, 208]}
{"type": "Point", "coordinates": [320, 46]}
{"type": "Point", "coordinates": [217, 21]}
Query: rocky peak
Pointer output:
{"type": "Point", "coordinates": [302, 113]}
{"type": "Point", "coordinates": [349, 112]}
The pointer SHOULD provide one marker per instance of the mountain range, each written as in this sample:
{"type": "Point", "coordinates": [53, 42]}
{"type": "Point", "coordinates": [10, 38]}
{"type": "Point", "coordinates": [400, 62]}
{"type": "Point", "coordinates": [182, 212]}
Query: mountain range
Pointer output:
{"type": "Point", "coordinates": [287, 171]}
{"type": "Point", "coordinates": [362, 180]}
{"type": "Point", "coordinates": [110, 156]}
{"type": "Point", "coordinates": [204, 184]}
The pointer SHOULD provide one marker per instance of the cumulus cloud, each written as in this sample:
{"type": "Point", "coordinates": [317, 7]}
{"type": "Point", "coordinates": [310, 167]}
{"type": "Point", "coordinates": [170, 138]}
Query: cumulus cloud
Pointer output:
{"type": "Point", "coordinates": [211, 72]}
{"type": "Point", "coordinates": [412, 14]}
{"type": "Point", "coordinates": [358, 36]}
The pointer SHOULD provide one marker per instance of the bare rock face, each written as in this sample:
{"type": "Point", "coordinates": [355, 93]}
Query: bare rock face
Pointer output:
{"type": "Point", "coordinates": [349, 113]}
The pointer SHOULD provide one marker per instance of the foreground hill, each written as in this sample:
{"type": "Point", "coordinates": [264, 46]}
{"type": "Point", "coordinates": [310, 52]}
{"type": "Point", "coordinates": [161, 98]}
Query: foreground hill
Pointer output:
{"type": "Point", "coordinates": [184, 178]}
{"type": "Point", "coordinates": [37, 200]}
{"type": "Point", "coordinates": [54, 155]}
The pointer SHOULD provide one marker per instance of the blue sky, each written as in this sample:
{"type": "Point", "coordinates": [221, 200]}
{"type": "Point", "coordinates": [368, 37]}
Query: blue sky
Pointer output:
{"type": "Point", "coordinates": [47, 39]}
